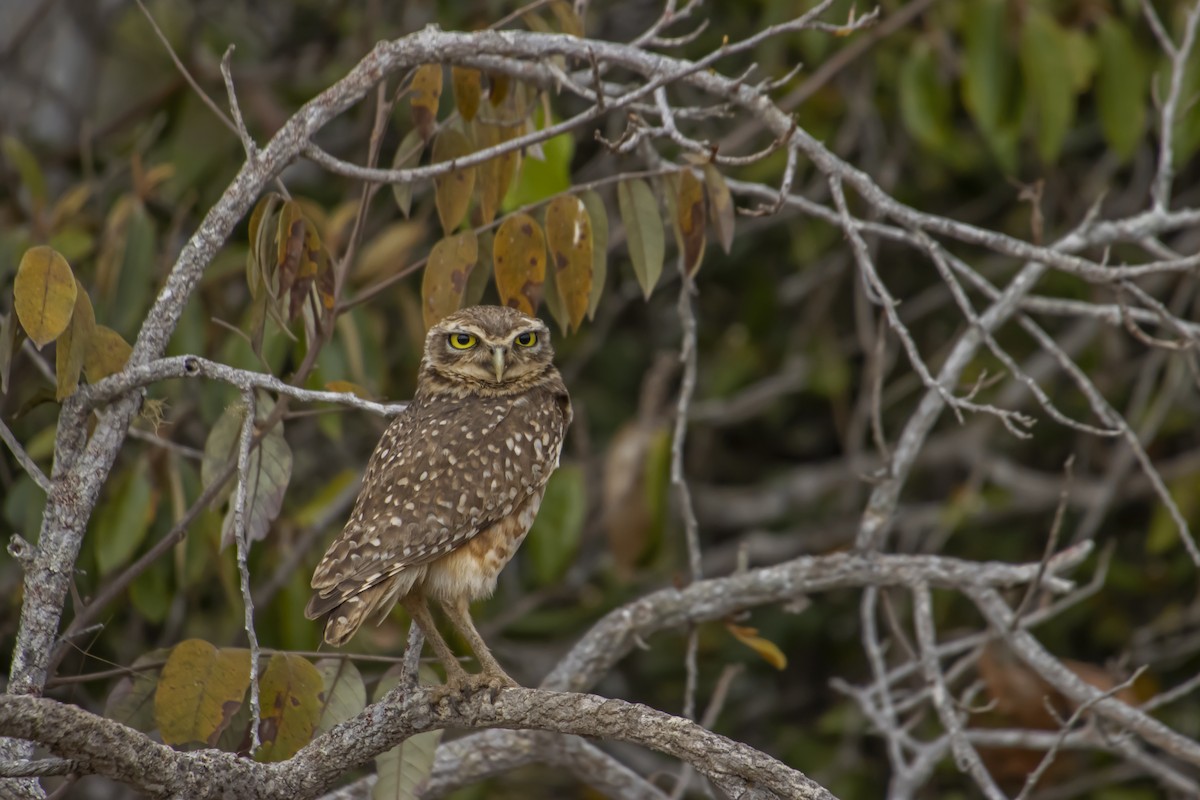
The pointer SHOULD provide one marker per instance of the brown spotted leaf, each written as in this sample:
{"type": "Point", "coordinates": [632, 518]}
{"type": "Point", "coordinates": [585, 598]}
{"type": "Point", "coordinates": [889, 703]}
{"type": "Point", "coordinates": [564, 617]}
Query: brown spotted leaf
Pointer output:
{"type": "Point", "coordinates": [107, 354]}
{"type": "Point", "coordinates": [426, 95]}
{"type": "Point", "coordinates": [720, 206]}
{"type": "Point", "coordinates": [290, 691]}
{"type": "Point", "coordinates": [72, 348]}
{"type": "Point", "coordinates": [690, 218]}
{"type": "Point", "coordinates": [495, 174]}
{"type": "Point", "coordinates": [446, 275]}
{"type": "Point", "coordinates": [200, 690]}
{"type": "Point", "coordinates": [452, 191]}
{"type": "Point", "coordinates": [519, 259]}
{"type": "Point", "coordinates": [44, 294]}
{"type": "Point", "coordinates": [569, 235]}
{"type": "Point", "coordinates": [408, 155]}
{"type": "Point", "coordinates": [468, 89]}
{"type": "Point", "coordinates": [643, 231]}
{"type": "Point", "coordinates": [764, 647]}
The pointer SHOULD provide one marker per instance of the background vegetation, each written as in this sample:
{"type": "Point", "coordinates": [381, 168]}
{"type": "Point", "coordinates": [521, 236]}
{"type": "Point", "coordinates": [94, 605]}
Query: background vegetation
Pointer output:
{"type": "Point", "coordinates": [1035, 120]}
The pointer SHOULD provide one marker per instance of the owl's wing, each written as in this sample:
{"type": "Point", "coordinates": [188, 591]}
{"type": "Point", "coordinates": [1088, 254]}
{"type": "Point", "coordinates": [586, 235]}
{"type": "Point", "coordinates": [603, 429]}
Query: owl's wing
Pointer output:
{"type": "Point", "coordinates": [440, 474]}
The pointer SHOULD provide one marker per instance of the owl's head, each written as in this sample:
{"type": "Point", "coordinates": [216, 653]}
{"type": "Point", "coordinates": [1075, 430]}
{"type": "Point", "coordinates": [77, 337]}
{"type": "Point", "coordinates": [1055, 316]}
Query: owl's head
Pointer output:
{"type": "Point", "coordinates": [487, 349]}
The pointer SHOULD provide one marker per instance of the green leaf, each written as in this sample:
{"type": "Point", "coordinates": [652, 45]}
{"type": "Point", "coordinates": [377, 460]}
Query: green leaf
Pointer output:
{"type": "Point", "coordinates": [137, 278]}
{"type": "Point", "coordinates": [403, 771]}
{"type": "Point", "coordinates": [200, 690]}
{"type": "Point", "coordinates": [546, 176]}
{"type": "Point", "coordinates": [342, 692]}
{"type": "Point", "coordinates": [643, 231]}
{"type": "Point", "coordinates": [1046, 67]}
{"type": "Point", "coordinates": [27, 167]}
{"type": "Point", "coordinates": [989, 77]}
{"type": "Point", "coordinates": [1120, 88]}
{"type": "Point", "coordinates": [290, 692]}
{"type": "Point", "coordinates": [408, 155]}
{"type": "Point", "coordinates": [558, 528]}
{"type": "Point", "coordinates": [123, 519]}
{"type": "Point", "coordinates": [11, 337]}
{"type": "Point", "coordinates": [1081, 57]}
{"type": "Point", "coordinates": [925, 104]}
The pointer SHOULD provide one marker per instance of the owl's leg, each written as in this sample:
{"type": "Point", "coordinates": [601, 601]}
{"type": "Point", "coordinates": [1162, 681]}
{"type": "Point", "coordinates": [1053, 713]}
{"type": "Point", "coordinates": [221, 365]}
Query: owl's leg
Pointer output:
{"type": "Point", "coordinates": [419, 611]}
{"type": "Point", "coordinates": [459, 612]}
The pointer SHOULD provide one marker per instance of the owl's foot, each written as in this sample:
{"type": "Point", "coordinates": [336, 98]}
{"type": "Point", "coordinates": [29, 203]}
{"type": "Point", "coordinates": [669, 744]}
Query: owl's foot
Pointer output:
{"type": "Point", "coordinates": [460, 685]}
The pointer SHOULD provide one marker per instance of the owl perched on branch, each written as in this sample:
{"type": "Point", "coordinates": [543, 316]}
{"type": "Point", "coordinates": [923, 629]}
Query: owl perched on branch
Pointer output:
{"type": "Point", "coordinates": [453, 485]}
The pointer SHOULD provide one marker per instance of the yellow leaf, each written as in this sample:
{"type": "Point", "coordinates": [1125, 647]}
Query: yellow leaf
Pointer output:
{"type": "Point", "coordinates": [764, 647]}
{"type": "Point", "coordinates": [346, 387]}
{"type": "Point", "coordinates": [599, 218]}
{"type": "Point", "coordinates": [446, 273]}
{"type": "Point", "coordinates": [452, 191]}
{"type": "Point", "coordinates": [519, 259]}
{"type": "Point", "coordinates": [690, 211]}
{"type": "Point", "coordinates": [388, 250]}
{"type": "Point", "coordinates": [291, 706]}
{"type": "Point", "coordinates": [44, 294]}
{"type": "Point", "coordinates": [106, 354]}
{"type": "Point", "coordinates": [426, 95]}
{"type": "Point", "coordinates": [467, 90]}
{"type": "Point", "coordinates": [200, 690]}
{"type": "Point", "coordinates": [73, 345]}
{"type": "Point", "coordinates": [568, 20]}
{"type": "Point", "coordinates": [495, 174]}
{"type": "Point", "coordinates": [498, 86]}
{"type": "Point", "coordinates": [569, 235]}
{"type": "Point", "coordinates": [720, 206]}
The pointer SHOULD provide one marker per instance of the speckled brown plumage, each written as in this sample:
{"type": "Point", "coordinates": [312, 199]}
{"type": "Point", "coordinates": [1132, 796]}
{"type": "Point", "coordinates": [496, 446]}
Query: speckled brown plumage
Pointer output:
{"type": "Point", "coordinates": [454, 483]}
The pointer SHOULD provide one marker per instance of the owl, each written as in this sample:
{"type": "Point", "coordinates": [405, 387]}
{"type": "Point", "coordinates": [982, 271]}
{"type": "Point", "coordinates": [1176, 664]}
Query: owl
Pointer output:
{"type": "Point", "coordinates": [453, 485]}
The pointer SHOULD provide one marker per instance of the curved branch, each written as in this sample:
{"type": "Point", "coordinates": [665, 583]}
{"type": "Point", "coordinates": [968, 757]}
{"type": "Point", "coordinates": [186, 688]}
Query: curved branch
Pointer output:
{"type": "Point", "coordinates": [105, 747]}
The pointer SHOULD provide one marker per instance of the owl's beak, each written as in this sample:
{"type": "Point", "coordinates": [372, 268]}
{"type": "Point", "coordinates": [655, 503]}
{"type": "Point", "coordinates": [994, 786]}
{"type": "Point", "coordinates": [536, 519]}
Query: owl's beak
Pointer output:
{"type": "Point", "coordinates": [498, 362]}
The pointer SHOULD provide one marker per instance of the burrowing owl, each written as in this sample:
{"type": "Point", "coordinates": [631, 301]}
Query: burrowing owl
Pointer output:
{"type": "Point", "coordinates": [453, 485]}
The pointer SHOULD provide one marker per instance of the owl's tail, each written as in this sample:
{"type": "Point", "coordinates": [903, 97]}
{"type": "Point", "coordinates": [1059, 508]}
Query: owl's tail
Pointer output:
{"type": "Point", "coordinates": [348, 606]}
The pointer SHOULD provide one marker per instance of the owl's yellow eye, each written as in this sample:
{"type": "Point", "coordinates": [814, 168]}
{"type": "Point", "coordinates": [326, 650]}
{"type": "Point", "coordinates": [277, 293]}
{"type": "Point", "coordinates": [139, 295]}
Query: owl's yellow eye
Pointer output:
{"type": "Point", "coordinates": [526, 339]}
{"type": "Point", "coordinates": [462, 341]}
